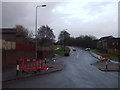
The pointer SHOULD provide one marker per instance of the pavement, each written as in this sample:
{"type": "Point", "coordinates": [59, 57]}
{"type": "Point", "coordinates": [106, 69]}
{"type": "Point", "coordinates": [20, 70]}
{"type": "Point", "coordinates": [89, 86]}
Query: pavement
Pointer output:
{"type": "Point", "coordinates": [112, 66]}
{"type": "Point", "coordinates": [9, 73]}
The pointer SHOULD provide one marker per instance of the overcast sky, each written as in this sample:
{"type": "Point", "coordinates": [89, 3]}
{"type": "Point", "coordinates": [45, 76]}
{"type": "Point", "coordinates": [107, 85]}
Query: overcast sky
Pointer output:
{"type": "Point", "coordinates": [79, 18]}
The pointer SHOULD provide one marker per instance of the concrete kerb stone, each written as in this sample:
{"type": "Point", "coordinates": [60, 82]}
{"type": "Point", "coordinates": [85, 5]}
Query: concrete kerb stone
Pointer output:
{"type": "Point", "coordinates": [106, 70]}
{"type": "Point", "coordinates": [59, 68]}
{"type": "Point", "coordinates": [95, 55]}
{"type": "Point", "coordinates": [99, 57]}
{"type": "Point", "coordinates": [100, 65]}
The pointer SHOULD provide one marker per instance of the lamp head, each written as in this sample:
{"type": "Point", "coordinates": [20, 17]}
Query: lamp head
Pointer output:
{"type": "Point", "coordinates": [43, 5]}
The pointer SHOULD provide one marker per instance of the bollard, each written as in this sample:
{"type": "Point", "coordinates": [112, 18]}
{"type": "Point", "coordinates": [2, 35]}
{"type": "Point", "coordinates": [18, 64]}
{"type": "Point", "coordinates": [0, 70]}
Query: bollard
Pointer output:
{"type": "Point", "coordinates": [17, 69]}
{"type": "Point", "coordinates": [45, 61]}
{"type": "Point", "coordinates": [106, 65]}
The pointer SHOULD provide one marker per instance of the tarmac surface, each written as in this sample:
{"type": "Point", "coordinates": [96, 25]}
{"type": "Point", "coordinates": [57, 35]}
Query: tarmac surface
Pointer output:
{"type": "Point", "coordinates": [77, 72]}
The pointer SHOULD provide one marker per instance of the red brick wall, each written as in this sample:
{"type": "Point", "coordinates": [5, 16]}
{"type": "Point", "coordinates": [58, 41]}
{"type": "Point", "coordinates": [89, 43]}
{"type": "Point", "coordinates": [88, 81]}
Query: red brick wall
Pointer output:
{"type": "Point", "coordinates": [23, 51]}
{"type": "Point", "coordinates": [9, 57]}
{"type": "Point", "coordinates": [110, 45]}
{"type": "Point", "coordinates": [114, 51]}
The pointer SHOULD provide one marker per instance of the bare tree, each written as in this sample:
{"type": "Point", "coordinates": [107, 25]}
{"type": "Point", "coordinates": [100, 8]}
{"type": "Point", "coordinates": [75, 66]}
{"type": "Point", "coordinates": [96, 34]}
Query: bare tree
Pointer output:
{"type": "Point", "coordinates": [22, 30]}
{"type": "Point", "coordinates": [45, 34]}
{"type": "Point", "coordinates": [63, 37]}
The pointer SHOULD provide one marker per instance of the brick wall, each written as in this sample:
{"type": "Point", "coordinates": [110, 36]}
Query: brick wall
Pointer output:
{"type": "Point", "coordinates": [114, 51]}
{"type": "Point", "coordinates": [9, 57]}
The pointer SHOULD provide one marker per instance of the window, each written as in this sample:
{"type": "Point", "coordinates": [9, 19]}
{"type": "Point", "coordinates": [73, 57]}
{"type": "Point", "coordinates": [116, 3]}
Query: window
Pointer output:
{"type": "Point", "coordinates": [113, 43]}
{"type": "Point", "coordinates": [117, 43]}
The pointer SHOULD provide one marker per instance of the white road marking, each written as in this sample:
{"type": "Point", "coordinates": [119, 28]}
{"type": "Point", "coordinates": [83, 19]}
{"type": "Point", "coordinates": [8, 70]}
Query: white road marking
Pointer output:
{"type": "Point", "coordinates": [77, 55]}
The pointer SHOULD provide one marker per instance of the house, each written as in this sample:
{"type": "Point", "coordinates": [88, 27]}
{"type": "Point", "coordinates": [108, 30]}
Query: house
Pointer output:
{"type": "Point", "coordinates": [103, 43]}
{"type": "Point", "coordinates": [114, 46]}
{"type": "Point", "coordinates": [109, 44]}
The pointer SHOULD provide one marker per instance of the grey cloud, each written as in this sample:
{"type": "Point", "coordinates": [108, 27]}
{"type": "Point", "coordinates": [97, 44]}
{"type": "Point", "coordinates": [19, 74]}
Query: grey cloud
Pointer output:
{"type": "Point", "coordinates": [96, 7]}
{"type": "Point", "coordinates": [24, 14]}
{"type": "Point", "coordinates": [13, 13]}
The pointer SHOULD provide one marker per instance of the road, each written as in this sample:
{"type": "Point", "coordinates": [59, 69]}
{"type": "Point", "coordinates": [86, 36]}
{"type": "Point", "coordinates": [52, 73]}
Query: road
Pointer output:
{"type": "Point", "coordinates": [77, 73]}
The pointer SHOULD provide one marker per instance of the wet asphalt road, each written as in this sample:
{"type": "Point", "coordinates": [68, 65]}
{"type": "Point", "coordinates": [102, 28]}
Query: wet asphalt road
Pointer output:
{"type": "Point", "coordinates": [78, 73]}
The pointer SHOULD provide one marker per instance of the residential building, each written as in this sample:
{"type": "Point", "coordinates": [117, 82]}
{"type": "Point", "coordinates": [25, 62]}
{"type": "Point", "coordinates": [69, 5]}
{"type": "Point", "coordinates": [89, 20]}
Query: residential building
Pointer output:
{"type": "Point", "coordinates": [109, 44]}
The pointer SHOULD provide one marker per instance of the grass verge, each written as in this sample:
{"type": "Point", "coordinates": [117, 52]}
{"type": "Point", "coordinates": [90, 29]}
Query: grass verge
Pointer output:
{"type": "Point", "coordinates": [60, 50]}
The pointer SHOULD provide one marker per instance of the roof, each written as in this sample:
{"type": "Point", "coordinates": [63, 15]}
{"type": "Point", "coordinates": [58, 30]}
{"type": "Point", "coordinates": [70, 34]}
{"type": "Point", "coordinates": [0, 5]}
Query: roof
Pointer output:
{"type": "Point", "coordinates": [107, 37]}
{"type": "Point", "coordinates": [8, 30]}
{"type": "Point", "coordinates": [114, 40]}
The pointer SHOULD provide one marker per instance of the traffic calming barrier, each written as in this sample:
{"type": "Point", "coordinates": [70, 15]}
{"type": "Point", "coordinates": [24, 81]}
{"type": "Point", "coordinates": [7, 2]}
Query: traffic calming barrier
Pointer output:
{"type": "Point", "coordinates": [30, 64]}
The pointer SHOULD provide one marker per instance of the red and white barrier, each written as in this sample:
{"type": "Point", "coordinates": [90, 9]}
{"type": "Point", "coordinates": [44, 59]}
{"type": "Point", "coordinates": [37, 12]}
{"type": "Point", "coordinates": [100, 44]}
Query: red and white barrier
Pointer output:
{"type": "Point", "coordinates": [30, 64]}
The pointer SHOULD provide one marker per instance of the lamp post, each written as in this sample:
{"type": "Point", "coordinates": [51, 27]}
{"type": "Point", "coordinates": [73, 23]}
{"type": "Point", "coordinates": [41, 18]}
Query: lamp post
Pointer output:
{"type": "Point", "coordinates": [36, 29]}
{"type": "Point", "coordinates": [64, 40]}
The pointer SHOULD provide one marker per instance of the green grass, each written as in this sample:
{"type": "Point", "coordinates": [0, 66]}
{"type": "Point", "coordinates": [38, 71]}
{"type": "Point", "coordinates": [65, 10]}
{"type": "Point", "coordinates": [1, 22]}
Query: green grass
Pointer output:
{"type": "Point", "coordinates": [60, 51]}
{"type": "Point", "coordinates": [112, 57]}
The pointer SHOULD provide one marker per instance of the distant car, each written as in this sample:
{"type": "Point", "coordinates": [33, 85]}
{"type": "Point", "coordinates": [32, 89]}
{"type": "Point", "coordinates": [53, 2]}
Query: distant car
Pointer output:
{"type": "Point", "coordinates": [57, 48]}
{"type": "Point", "coordinates": [66, 54]}
{"type": "Point", "coordinates": [87, 49]}
{"type": "Point", "coordinates": [74, 49]}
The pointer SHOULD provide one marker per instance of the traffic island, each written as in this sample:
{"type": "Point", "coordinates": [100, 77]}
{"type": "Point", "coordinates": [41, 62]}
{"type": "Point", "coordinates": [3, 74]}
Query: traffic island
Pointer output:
{"type": "Point", "coordinates": [54, 67]}
{"type": "Point", "coordinates": [110, 67]}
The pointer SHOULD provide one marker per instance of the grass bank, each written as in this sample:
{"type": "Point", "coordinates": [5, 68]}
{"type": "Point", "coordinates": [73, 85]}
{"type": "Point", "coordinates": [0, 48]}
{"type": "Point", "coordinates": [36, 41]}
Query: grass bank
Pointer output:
{"type": "Point", "coordinates": [112, 57]}
{"type": "Point", "coordinates": [60, 50]}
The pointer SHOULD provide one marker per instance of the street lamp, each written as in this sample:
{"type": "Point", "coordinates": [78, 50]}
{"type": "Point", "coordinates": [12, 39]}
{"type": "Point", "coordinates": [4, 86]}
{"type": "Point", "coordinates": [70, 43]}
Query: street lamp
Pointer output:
{"type": "Point", "coordinates": [64, 40]}
{"type": "Point", "coordinates": [36, 29]}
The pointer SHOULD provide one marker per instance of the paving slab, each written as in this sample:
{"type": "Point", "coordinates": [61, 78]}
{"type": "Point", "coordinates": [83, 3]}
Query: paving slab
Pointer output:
{"type": "Point", "coordinates": [110, 66]}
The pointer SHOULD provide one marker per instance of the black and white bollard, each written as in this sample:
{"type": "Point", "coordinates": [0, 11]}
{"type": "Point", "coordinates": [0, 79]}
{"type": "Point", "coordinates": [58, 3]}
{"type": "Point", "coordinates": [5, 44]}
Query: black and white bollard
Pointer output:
{"type": "Point", "coordinates": [106, 65]}
{"type": "Point", "coordinates": [17, 73]}
{"type": "Point", "coordinates": [45, 61]}
{"type": "Point", "coordinates": [54, 60]}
